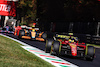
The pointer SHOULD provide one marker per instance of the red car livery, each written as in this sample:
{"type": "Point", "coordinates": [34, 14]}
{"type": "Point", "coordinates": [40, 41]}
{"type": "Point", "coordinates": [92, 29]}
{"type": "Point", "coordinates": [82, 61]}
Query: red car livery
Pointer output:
{"type": "Point", "coordinates": [69, 45]}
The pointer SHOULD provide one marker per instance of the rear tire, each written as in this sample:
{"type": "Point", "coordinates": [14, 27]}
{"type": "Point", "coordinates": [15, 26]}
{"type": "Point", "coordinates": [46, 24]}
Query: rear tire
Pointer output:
{"type": "Point", "coordinates": [21, 33]}
{"type": "Point", "coordinates": [48, 45]}
{"type": "Point", "coordinates": [56, 46]}
{"type": "Point", "coordinates": [44, 35]}
{"type": "Point", "coordinates": [90, 53]}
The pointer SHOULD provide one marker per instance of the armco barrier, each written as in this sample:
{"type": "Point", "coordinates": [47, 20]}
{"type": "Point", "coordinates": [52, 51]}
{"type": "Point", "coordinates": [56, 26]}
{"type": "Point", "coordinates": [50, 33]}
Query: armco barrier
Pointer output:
{"type": "Point", "coordinates": [93, 39]}
{"type": "Point", "coordinates": [88, 38]}
{"type": "Point", "coordinates": [96, 40]}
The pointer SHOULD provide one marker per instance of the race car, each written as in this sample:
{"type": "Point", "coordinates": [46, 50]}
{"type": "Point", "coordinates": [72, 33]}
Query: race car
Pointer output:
{"type": "Point", "coordinates": [17, 29]}
{"type": "Point", "coordinates": [28, 33]}
{"type": "Point", "coordinates": [7, 29]}
{"type": "Point", "coordinates": [11, 30]}
{"type": "Point", "coordinates": [69, 45]}
{"type": "Point", "coordinates": [4, 30]}
{"type": "Point", "coordinates": [9, 26]}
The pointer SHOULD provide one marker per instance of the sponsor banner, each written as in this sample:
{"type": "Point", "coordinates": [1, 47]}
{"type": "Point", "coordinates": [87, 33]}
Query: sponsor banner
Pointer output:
{"type": "Point", "coordinates": [7, 8]}
{"type": "Point", "coordinates": [12, 0]}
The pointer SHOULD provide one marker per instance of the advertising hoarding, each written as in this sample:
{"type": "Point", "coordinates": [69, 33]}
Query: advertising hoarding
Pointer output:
{"type": "Point", "coordinates": [7, 8]}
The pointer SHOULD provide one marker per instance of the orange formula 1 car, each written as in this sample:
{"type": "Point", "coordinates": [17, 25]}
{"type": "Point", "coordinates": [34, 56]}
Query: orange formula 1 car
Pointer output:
{"type": "Point", "coordinates": [33, 34]}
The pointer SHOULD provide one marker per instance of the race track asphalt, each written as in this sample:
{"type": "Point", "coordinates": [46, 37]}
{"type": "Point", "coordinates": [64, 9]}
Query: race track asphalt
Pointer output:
{"type": "Point", "coordinates": [77, 61]}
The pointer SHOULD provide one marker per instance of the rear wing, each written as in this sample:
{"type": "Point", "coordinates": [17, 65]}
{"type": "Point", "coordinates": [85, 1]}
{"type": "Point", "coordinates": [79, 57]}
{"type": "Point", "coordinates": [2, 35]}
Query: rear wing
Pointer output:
{"type": "Point", "coordinates": [59, 36]}
{"type": "Point", "coordinates": [30, 28]}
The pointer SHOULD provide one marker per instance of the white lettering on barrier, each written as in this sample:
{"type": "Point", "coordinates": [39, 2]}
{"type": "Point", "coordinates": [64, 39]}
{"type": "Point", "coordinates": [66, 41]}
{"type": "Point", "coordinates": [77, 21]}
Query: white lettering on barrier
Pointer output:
{"type": "Point", "coordinates": [4, 7]}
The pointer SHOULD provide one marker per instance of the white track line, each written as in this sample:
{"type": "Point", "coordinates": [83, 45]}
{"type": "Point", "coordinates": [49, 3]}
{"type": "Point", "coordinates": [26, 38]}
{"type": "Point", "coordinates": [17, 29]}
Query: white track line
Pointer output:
{"type": "Point", "coordinates": [60, 63]}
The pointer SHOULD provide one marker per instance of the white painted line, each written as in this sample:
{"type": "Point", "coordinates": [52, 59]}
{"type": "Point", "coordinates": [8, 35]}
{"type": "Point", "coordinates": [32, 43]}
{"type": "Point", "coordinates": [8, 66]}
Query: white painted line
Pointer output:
{"type": "Point", "coordinates": [44, 56]}
{"type": "Point", "coordinates": [54, 60]}
{"type": "Point", "coordinates": [14, 40]}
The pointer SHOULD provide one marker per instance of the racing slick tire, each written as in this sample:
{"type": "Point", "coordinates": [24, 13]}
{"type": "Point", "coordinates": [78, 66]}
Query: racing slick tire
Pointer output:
{"type": "Point", "coordinates": [90, 52]}
{"type": "Point", "coordinates": [48, 45]}
{"type": "Point", "coordinates": [56, 47]}
{"type": "Point", "coordinates": [21, 33]}
{"type": "Point", "coordinates": [44, 35]}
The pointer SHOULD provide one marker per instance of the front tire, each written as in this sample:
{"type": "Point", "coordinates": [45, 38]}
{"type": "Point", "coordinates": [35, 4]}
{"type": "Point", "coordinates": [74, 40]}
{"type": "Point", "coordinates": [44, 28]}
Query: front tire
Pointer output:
{"type": "Point", "coordinates": [44, 35]}
{"type": "Point", "coordinates": [21, 33]}
{"type": "Point", "coordinates": [57, 47]}
{"type": "Point", "coordinates": [90, 52]}
{"type": "Point", "coordinates": [48, 45]}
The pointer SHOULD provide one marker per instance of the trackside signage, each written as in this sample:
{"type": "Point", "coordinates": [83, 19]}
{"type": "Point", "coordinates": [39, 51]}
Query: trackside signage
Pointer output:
{"type": "Point", "coordinates": [7, 8]}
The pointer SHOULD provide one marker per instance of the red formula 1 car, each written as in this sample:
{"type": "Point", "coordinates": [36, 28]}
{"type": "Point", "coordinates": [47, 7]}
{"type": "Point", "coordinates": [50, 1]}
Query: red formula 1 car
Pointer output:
{"type": "Point", "coordinates": [17, 29]}
{"type": "Point", "coordinates": [64, 44]}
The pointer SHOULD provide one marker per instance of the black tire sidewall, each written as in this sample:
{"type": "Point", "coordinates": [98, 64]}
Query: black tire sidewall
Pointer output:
{"type": "Point", "coordinates": [90, 53]}
{"type": "Point", "coordinates": [44, 35]}
{"type": "Point", "coordinates": [48, 45]}
{"type": "Point", "coordinates": [56, 46]}
{"type": "Point", "coordinates": [21, 33]}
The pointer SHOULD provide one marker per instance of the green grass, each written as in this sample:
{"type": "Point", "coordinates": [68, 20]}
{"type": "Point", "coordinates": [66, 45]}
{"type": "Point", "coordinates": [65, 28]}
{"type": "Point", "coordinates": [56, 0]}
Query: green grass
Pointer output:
{"type": "Point", "coordinates": [12, 55]}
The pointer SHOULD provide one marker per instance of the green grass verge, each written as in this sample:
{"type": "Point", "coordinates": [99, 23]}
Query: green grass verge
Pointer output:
{"type": "Point", "coordinates": [12, 55]}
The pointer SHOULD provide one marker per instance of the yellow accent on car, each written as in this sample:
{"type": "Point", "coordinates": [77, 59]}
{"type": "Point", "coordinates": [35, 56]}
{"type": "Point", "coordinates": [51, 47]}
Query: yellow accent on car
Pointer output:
{"type": "Point", "coordinates": [59, 46]}
{"type": "Point", "coordinates": [71, 40]}
{"type": "Point", "coordinates": [86, 50]}
{"type": "Point", "coordinates": [94, 50]}
{"type": "Point", "coordinates": [63, 36]}
{"type": "Point", "coordinates": [46, 43]}
{"type": "Point", "coordinates": [72, 45]}
{"type": "Point", "coordinates": [33, 30]}
{"type": "Point", "coordinates": [51, 49]}
{"type": "Point", "coordinates": [70, 33]}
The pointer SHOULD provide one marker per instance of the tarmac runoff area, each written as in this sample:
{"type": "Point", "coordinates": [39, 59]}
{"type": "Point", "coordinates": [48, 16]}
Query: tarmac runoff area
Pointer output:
{"type": "Point", "coordinates": [54, 60]}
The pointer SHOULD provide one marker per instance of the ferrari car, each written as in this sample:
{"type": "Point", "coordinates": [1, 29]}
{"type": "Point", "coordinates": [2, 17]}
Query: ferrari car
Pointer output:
{"type": "Point", "coordinates": [17, 29]}
{"type": "Point", "coordinates": [27, 33]}
{"type": "Point", "coordinates": [69, 45]}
